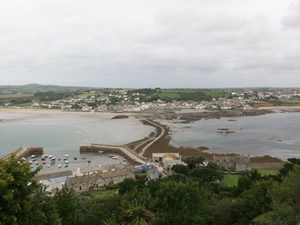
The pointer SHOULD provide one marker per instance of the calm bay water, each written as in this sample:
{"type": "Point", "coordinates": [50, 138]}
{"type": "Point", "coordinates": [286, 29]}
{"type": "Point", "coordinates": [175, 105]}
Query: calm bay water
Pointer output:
{"type": "Point", "coordinates": [276, 134]}
{"type": "Point", "coordinates": [63, 133]}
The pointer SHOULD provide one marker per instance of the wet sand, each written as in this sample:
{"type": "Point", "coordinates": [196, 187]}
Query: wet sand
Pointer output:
{"type": "Point", "coordinates": [57, 111]}
{"type": "Point", "coordinates": [34, 113]}
{"type": "Point", "coordinates": [163, 146]}
{"type": "Point", "coordinates": [282, 108]}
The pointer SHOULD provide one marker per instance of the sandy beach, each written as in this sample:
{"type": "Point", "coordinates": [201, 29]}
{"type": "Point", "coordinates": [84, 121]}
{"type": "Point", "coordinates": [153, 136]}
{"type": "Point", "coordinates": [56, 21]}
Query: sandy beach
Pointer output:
{"type": "Point", "coordinates": [281, 108]}
{"type": "Point", "coordinates": [57, 111]}
{"type": "Point", "coordinates": [38, 113]}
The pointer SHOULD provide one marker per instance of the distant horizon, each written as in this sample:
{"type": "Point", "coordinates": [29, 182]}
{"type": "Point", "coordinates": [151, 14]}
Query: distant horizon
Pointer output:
{"type": "Point", "coordinates": [83, 86]}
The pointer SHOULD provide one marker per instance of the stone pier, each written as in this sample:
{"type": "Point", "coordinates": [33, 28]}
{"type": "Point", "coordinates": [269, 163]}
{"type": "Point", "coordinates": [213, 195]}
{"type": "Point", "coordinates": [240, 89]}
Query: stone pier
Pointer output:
{"type": "Point", "coordinates": [25, 152]}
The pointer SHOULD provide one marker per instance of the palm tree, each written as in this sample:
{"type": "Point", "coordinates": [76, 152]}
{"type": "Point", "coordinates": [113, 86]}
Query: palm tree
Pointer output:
{"type": "Point", "coordinates": [109, 222]}
{"type": "Point", "coordinates": [136, 215]}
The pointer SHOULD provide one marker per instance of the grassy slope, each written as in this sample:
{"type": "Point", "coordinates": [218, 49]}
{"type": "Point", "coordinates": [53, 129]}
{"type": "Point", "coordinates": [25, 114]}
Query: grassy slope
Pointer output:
{"type": "Point", "coordinates": [174, 93]}
{"type": "Point", "coordinates": [27, 103]}
{"type": "Point", "coordinates": [87, 94]}
{"type": "Point", "coordinates": [266, 172]}
{"type": "Point", "coordinates": [15, 95]}
{"type": "Point", "coordinates": [292, 101]}
{"type": "Point", "coordinates": [100, 194]}
{"type": "Point", "coordinates": [231, 180]}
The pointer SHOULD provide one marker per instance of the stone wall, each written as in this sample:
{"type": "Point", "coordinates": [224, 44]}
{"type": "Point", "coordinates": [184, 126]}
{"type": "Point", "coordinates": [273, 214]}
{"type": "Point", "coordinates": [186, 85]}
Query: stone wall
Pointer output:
{"type": "Point", "coordinates": [25, 152]}
{"type": "Point", "coordinates": [116, 150]}
{"type": "Point", "coordinates": [30, 151]}
{"type": "Point", "coordinates": [267, 165]}
{"type": "Point", "coordinates": [47, 176]}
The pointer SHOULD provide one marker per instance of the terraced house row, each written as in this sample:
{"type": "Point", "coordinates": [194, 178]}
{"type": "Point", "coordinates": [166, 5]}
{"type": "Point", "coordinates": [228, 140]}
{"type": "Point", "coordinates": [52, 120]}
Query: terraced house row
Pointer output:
{"type": "Point", "coordinates": [97, 180]}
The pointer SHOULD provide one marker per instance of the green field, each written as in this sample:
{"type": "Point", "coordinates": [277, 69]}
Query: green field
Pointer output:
{"type": "Point", "coordinates": [27, 103]}
{"type": "Point", "coordinates": [266, 172]}
{"type": "Point", "coordinates": [5, 96]}
{"type": "Point", "coordinates": [232, 180]}
{"type": "Point", "coordinates": [175, 93]}
{"type": "Point", "coordinates": [87, 94]}
{"type": "Point", "coordinates": [292, 101]}
{"type": "Point", "coordinates": [101, 194]}
{"type": "Point", "coordinates": [215, 93]}
{"type": "Point", "coordinates": [141, 174]}
{"type": "Point", "coordinates": [279, 102]}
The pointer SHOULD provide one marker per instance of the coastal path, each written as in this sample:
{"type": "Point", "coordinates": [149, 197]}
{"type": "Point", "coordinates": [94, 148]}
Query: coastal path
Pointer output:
{"type": "Point", "coordinates": [124, 150]}
{"type": "Point", "coordinates": [155, 139]}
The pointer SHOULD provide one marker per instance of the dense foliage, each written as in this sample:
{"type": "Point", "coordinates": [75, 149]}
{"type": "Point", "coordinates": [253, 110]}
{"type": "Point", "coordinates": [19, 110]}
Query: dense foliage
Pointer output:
{"type": "Point", "coordinates": [50, 96]}
{"type": "Point", "coordinates": [191, 195]}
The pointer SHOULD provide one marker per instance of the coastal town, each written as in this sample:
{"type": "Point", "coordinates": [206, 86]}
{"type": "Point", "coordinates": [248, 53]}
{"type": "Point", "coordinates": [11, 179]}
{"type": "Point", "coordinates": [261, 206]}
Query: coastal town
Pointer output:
{"type": "Point", "coordinates": [150, 112]}
{"type": "Point", "coordinates": [90, 178]}
{"type": "Point", "coordinates": [147, 100]}
{"type": "Point", "coordinates": [145, 158]}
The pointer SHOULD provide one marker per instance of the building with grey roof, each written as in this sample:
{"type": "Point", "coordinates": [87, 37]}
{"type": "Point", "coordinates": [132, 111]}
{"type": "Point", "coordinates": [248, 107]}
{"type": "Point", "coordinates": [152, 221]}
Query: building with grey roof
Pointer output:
{"type": "Point", "coordinates": [238, 163]}
{"type": "Point", "coordinates": [97, 180]}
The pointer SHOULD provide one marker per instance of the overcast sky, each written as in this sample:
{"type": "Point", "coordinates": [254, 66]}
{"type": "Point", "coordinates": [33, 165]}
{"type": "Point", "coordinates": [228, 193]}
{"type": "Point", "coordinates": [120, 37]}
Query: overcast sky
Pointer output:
{"type": "Point", "coordinates": [155, 43]}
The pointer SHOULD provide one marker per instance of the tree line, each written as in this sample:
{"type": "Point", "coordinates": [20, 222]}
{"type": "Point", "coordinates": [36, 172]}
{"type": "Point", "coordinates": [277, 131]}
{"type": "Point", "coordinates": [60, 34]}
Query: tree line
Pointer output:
{"type": "Point", "coordinates": [192, 195]}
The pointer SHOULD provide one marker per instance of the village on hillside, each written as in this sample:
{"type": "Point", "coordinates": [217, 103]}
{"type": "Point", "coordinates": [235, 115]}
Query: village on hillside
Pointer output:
{"type": "Point", "coordinates": [139, 100]}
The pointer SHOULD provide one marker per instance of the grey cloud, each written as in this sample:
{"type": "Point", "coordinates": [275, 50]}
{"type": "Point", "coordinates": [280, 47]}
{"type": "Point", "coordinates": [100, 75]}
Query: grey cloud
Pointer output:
{"type": "Point", "coordinates": [146, 43]}
{"type": "Point", "coordinates": [292, 19]}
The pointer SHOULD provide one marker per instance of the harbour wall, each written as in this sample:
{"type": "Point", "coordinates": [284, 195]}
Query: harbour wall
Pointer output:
{"type": "Point", "coordinates": [47, 176]}
{"type": "Point", "coordinates": [110, 149]}
{"type": "Point", "coordinates": [268, 165]}
{"type": "Point", "coordinates": [25, 152]}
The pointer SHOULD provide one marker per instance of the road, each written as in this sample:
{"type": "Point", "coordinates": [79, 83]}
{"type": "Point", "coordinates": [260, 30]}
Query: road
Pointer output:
{"type": "Point", "coordinates": [155, 139]}
{"type": "Point", "coordinates": [124, 150]}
